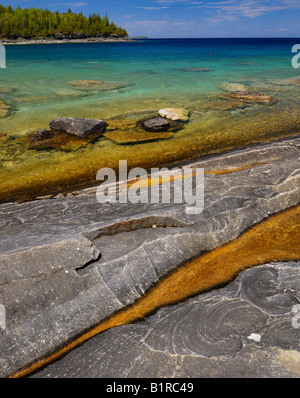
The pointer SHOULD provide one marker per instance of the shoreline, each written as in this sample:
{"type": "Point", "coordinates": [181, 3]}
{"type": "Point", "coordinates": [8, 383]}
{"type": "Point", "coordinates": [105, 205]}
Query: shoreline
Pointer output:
{"type": "Point", "coordinates": [87, 184]}
{"type": "Point", "coordinates": [65, 41]}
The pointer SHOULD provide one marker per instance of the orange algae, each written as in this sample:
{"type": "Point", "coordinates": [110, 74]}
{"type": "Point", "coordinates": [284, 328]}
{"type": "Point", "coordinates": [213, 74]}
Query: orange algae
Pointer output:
{"type": "Point", "coordinates": [149, 181]}
{"type": "Point", "coordinates": [274, 239]}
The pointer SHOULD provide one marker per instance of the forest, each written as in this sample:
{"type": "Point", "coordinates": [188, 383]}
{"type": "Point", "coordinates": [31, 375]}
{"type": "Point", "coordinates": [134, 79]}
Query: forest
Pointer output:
{"type": "Point", "coordinates": [30, 23]}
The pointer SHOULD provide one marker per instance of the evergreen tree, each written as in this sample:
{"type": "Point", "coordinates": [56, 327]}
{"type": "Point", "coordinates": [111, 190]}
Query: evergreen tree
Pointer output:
{"type": "Point", "coordinates": [33, 23]}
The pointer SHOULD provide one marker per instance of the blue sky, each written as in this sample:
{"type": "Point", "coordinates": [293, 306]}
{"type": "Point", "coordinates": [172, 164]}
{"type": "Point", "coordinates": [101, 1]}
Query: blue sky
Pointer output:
{"type": "Point", "coordinates": [189, 18]}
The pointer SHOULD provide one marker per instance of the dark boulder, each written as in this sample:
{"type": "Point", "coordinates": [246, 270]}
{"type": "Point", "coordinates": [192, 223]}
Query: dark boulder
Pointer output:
{"type": "Point", "coordinates": [78, 126]}
{"type": "Point", "coordinates": [156, 124]}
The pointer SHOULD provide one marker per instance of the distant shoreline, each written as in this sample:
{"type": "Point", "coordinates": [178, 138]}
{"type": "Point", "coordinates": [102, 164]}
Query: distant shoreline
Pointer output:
{"type": "Point", "coordinates": [64, 40]}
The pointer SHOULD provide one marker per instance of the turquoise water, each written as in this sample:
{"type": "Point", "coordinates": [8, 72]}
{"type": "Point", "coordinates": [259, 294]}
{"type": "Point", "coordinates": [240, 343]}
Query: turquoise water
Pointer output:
{"type": "Point", "coordinates": [139, 78]}
{"type": "Point", "coordinates": [37, 77]}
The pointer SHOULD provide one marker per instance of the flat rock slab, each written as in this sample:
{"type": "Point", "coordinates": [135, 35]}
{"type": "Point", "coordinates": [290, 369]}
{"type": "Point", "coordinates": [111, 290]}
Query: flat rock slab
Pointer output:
{"type": "Point", "coordinates": [134, 137]}
{"type": "Point", "coordinates": [69, 262]}
{"type": "Point", "coordinates": [242, 330]}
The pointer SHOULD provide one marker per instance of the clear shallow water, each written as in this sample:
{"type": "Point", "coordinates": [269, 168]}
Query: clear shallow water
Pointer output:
{"type": "Point", "coordinates": [185, 73]}
{"type": "Point", "coordinates": [39, 74]}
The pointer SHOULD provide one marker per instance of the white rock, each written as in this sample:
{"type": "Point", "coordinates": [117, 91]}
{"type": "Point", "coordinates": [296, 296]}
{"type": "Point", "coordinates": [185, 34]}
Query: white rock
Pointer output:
{"type": "Point", "coordinates": [255, 337]}
{"type": "Point", "coordinates": [174, 114]}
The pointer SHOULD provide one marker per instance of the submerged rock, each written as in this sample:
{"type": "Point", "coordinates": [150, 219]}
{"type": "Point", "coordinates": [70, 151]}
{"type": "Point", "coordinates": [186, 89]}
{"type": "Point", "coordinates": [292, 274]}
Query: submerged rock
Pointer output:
{"type": "Point", "coordinates": [225, 105]}
{"type": "Point", "coordinates": [124, 137]}
{"type": "Point", "coordinates": [174, 114]}
{"type": "Point", "coordinates": [4, 108]}
{"type": "Point", "coordinates": [42, 135]}
{"type": "Point", "coordinates": [194, 69]}
{"type": "Point", "coordinates": [78, 126]}
{"type": "Point", "coordinates": [289, 81]}
{"type": "Point", "coordinates": [47, 140]}
{"type": "Point", "coordinates": [248, 96]}
{"type": "Point", "coordinates": [233, 86]}
{"type": "Point", "coordinates": [126, 131]}
{"type": "Point", "coordinates": [67, 133]}
{"type": "Point", "coordinates": [6, 90]}
{"type": "Point", "coordinates": [121, 124]}
{"type": "Point", "coordinates": [97, 85]}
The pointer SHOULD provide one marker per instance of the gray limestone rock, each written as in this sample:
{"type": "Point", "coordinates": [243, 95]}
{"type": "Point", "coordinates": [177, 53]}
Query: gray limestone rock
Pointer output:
{"type": "Point", "coordinates": [223, 333]}
{"type": "Point", "coordinates": [156, 124]}
{"type": "Point", "coordinates": [69, 262]}
{"type": "Point", "coordinates": [77, 126]}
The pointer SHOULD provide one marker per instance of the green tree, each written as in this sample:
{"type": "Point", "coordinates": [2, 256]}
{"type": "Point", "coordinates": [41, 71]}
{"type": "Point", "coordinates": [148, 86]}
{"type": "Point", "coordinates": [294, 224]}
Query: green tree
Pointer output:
{"type": "Point", "coordinates": [33, 23]}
